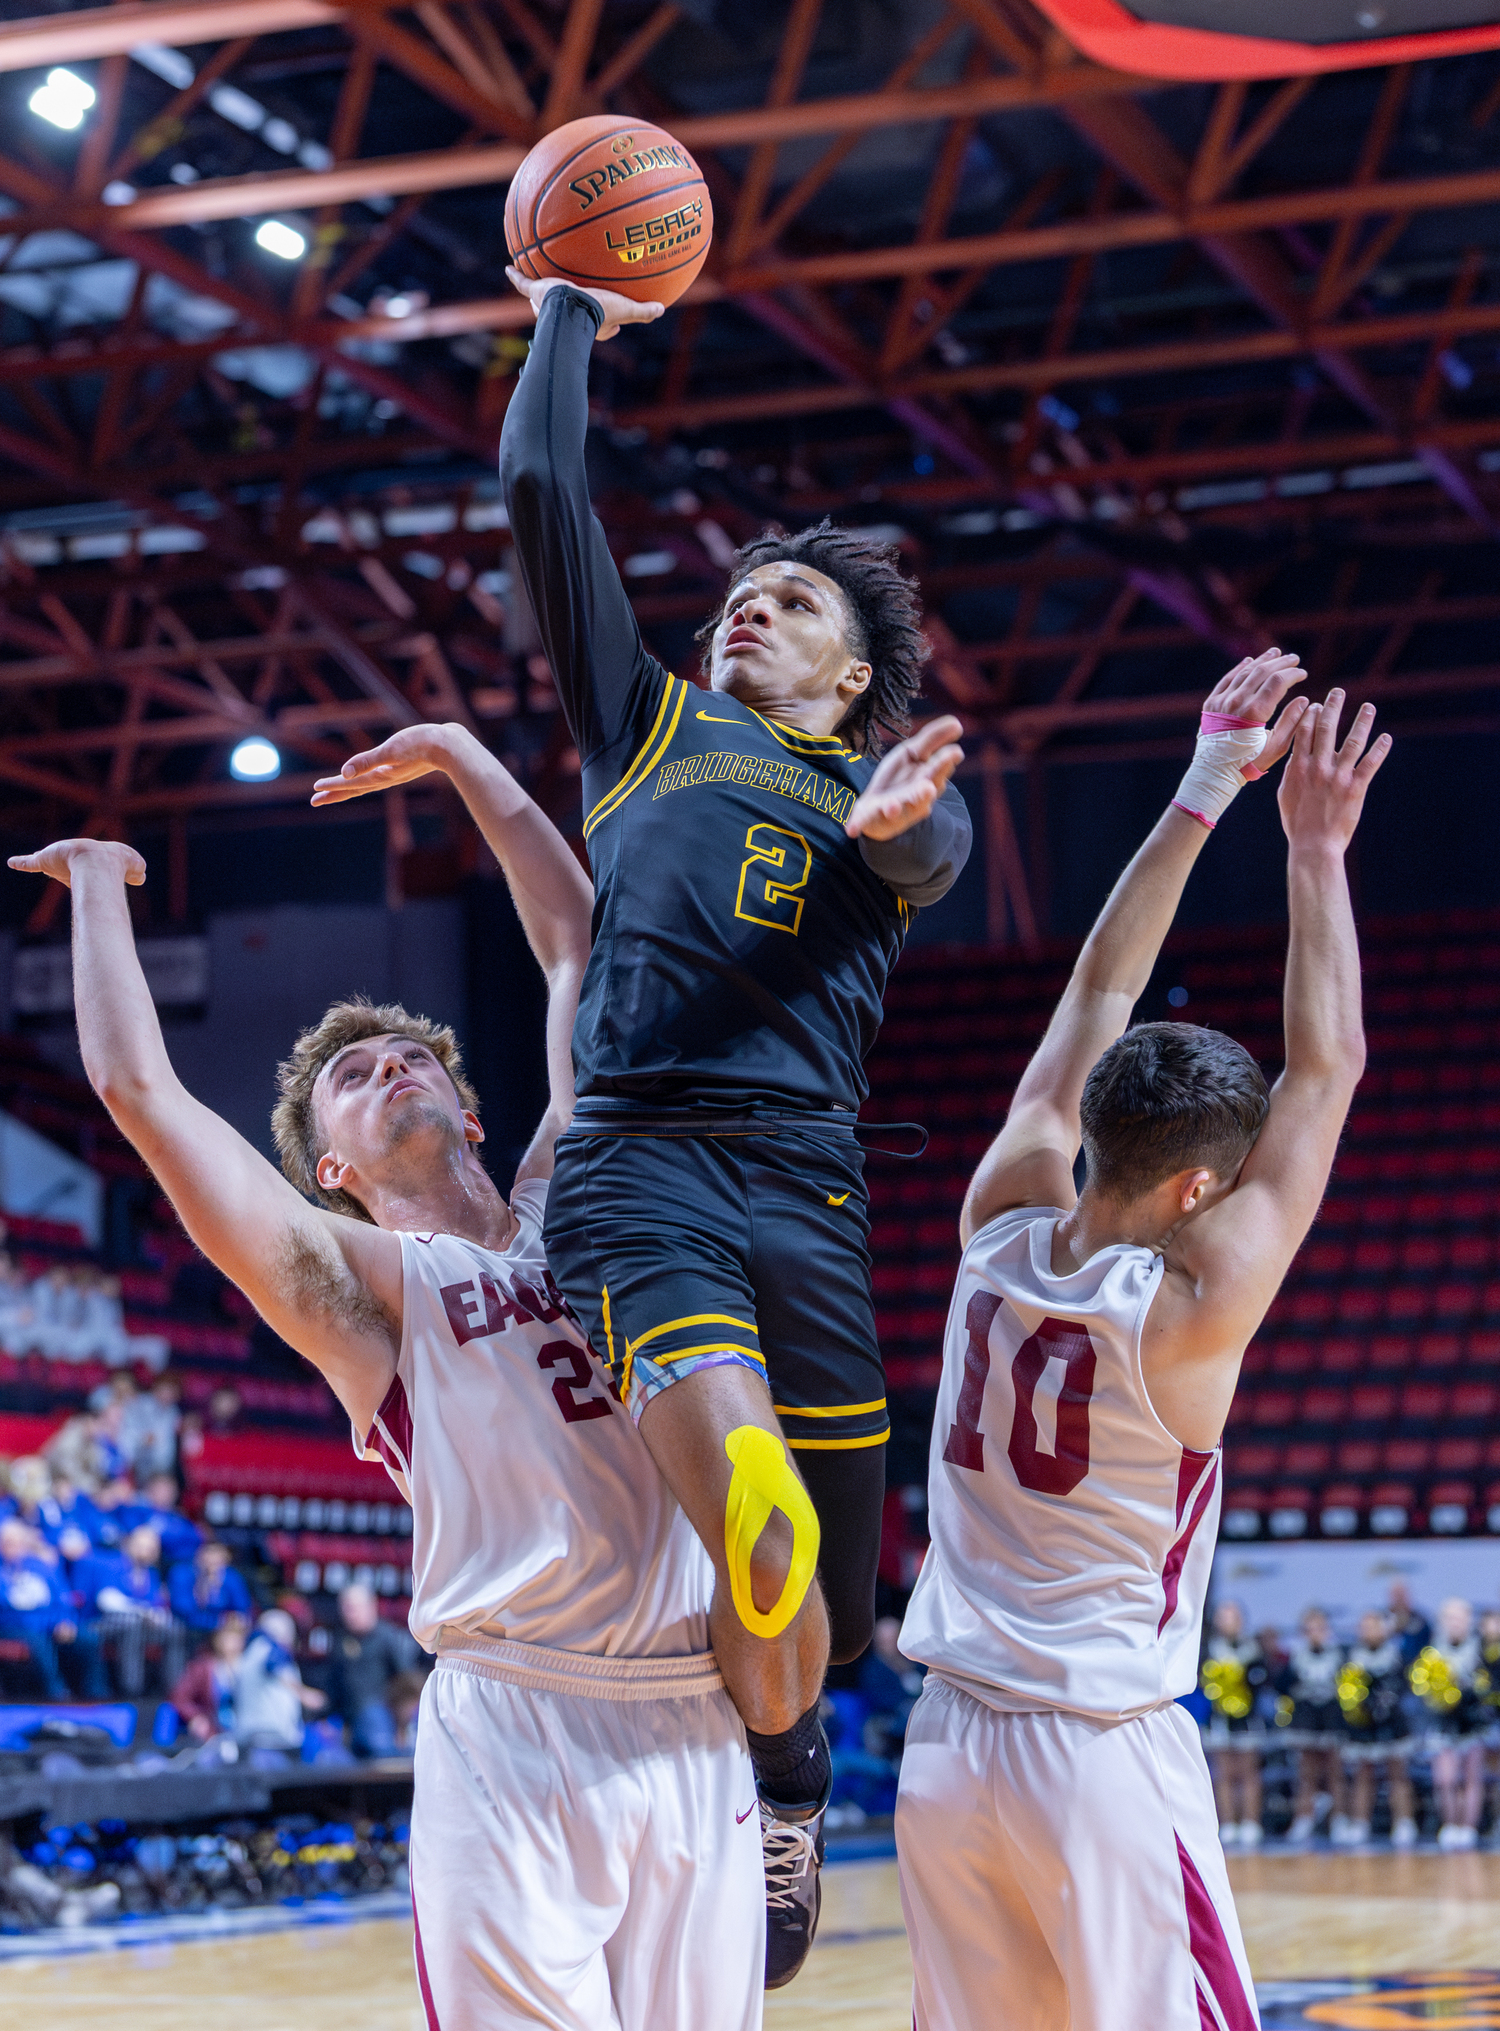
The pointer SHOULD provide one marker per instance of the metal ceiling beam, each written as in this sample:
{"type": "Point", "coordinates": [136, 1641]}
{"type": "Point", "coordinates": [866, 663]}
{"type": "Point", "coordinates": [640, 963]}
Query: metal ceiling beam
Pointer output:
{"type": "Point", "coordinates": [181, 24]}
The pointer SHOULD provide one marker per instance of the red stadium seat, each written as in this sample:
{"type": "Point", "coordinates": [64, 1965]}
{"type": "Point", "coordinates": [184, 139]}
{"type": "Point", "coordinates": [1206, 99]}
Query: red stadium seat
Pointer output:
{"type": "Point", "coordinates": [1356, 1304]}
{"type": "Point", "coordinates": [1392, 1507]}
{"type": "Point", "coordinates": [1457, 1456]}
{"type": "Point", "coordinates": [1391, 1351]}
{"type": "Point", "coordinates": [1422, 1253]}
{"type": "Point", "coordinates": [1293, 1357]}
{"type": "Point", "coordinates": [1324, 1405]}
{"type": "Point", "coordinates": [1273, 1407]}
{"type": "Point", "coordinates": [1406, 1304]}
{"type": "Point", "coordinates": [1372, 1402]}
{"type": "Point", "coordinates": [1424, 1401]}
{"type": "Point", "coordinates": [1406, 1456]}
{"type": "Point", "coordinates": [1358, 1456]}
{"type": "Point", "coordinates": [1455, 1300]}
{"type": "Point", "coordinates": [1475, 1399]}
{"type": "Point", "coordinates": [1287, 1512]}
{"type": "Point", "coordinates": [1439, 1350]}
{"type": "Point", "coordinates": [1449, 1504]}
{"type": "Point", "coordinates": [1306, 1459]}
{"type": "Point", "coordinates": [1483, 1348]}
{"type": "Point", "coordinates": [1244, 1509]}
{"type": "Point", "coordinates": [1253, 1461]}
{"type": "Point", "coordinates": [1375, 1255]}
{"type": "Point", "coordinates": [1341, 1357]}
{"type": "Point", "coordinates": [1339, 1508]}
{"type": "Point", "coordinates": [1257, 1359]}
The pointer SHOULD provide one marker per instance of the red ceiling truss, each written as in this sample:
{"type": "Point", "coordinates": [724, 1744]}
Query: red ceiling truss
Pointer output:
{"type": "Point", "coordinates": [1142, 374]}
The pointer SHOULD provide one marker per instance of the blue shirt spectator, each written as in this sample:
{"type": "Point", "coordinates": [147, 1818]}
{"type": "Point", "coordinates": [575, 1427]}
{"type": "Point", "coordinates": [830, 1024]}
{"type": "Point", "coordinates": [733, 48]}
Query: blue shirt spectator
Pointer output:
{"type": "Point", "coordinates": [37, 1610]}
{"type": "Point", "coordinates": [157, 1510]}
{"type": "Point", "coordinates": [115, 1582]}
{"type": "Point", "coordinates": [203, 1592]}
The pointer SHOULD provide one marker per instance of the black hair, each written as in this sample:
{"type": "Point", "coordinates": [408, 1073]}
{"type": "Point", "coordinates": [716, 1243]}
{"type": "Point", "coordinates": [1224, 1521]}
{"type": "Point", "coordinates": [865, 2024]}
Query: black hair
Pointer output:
{"type": "Point", "coordinates": [885, 619]}
{"type": "Point", "coordinates": [1169, 1097]}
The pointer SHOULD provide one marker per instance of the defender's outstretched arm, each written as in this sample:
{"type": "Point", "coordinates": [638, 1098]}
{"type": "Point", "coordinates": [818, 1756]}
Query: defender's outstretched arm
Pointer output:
{"type": "Point", "coordinates": [1030, 1162]}
{"type": "Point", "coordinates": [329, 1285]}
{"type": "Point", "coordinates": [553, 896]}
{"type": "Point", "coordinates": [1237, 1252]}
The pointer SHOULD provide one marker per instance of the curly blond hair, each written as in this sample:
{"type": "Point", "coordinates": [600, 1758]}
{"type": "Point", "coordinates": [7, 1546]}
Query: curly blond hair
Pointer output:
{"type": "Point", "coordinates": [294, 1122]}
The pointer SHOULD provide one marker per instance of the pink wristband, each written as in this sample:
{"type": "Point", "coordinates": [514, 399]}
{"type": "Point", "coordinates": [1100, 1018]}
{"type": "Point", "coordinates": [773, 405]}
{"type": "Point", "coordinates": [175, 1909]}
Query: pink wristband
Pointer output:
{"type": "Point", "coordinates": [1220, 722]}
{"type": "Point", "coordinates": [1188, 812]}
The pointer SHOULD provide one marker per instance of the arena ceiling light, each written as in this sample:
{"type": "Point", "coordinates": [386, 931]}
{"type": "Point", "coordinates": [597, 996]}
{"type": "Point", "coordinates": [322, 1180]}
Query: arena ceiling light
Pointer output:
{"type": "Point", "coordinates": [255, 761]}
{"type": "Point", "coordinates": [63, 99]}
{"type": "Point", "coordinates": [281, 239]}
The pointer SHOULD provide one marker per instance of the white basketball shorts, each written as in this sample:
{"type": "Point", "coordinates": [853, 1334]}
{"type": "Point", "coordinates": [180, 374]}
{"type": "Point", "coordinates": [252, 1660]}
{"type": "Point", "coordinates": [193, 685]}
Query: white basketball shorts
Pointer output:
{"type": "Point", "coordinates": [1064, 1874]}
{"type": "Point", "coordinates": [585, 1848]}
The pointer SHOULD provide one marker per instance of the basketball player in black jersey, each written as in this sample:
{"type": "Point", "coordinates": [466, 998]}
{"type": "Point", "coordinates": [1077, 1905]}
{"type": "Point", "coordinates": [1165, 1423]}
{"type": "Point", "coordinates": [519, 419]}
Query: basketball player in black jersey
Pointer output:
{"type": "Point", "coordinates": [757, 859]}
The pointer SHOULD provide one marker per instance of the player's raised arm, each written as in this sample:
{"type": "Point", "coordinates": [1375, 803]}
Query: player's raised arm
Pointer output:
{"type": "Point", "coordinates": [553, 896]}
{"type": "Point", "coordinates": [1236, 1253]}
{"type": "Point", "coordinates": [604, 675]}
{"type": "Point", "coordinates": [330, 1286]}
{"type": "Point", "coordinates": [1030, 1162]}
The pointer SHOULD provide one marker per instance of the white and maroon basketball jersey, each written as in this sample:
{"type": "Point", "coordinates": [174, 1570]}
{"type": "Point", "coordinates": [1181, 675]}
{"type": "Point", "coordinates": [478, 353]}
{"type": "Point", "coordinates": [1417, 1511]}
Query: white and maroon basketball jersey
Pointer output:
{"type": "Point", "coordinates": [1071, 1534]}
{"type": "Point", "coordinates": [538, 1515]}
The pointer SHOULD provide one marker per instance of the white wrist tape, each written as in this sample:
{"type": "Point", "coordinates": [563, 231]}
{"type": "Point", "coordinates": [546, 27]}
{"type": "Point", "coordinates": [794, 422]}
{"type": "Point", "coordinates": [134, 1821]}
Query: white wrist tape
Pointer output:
{"type": "Point", "coordinates": [1223, 762]}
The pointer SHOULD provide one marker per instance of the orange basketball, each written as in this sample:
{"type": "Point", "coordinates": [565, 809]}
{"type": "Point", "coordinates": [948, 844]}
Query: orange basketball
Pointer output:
{"type": "Point", "coordinates": [612, 204]}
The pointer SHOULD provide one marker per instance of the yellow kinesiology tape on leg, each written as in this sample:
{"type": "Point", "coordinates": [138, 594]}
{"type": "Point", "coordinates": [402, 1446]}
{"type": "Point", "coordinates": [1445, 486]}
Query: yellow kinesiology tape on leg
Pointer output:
{"type": "Point", "coordinates": [762, 1481]}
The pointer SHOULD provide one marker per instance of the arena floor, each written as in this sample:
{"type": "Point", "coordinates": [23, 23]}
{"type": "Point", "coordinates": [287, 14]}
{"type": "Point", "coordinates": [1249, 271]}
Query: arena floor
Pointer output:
{"type": "Point", "coordinates": [1355, 1942]}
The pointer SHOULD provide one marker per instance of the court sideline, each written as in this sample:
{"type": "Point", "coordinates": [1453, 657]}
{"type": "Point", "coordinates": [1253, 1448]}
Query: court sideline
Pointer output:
{"type": "Point", "coordinates": [1315, 1923]}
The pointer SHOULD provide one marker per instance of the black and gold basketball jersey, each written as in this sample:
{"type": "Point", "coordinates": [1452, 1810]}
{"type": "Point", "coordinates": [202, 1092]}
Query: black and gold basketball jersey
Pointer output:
{"type": "Point", "coordinates": [741, 939]}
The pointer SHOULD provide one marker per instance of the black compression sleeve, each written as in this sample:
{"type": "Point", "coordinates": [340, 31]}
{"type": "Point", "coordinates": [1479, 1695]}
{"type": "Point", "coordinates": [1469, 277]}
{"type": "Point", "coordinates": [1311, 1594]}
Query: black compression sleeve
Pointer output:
{"type": "Point", "coordinates": [923, 864]}
{"type": "Point", "coordinates": [604, 675]}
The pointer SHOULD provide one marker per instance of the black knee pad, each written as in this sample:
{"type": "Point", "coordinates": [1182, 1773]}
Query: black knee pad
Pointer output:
{"type": "Point", "coordinates": [848, 1491]}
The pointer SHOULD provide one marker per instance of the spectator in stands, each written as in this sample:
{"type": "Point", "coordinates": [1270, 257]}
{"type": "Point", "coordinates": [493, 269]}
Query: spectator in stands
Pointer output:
{"type": "Point", "coordinates": [156, 1509]}
{"type": "Point", "coordinates": [149, 1430]}
{"type": "Point", "coordinates": [17, 1316]}
{"type": "Point", "coordinates": [1233, 1675]}
{"type": "Point", "coordinates": [367, 1654]}
{"type": "Point", "coordinates": [222, 1415]}
{"type": "Point", "coordinates": [204, 1695]}
{"type": "Point", "coordinates": [1409, 1625]}
{"type": "Point", "coordinates": [206, 1589]}
{"type": "Point", "coordinates": [119, 1389]}
{"type": "Point", "coordinates": [224, 1408]}
{"type": "Point", "coordinates": [1444, 1678]}
{"type": "Point", "coordinates": [403, 1696]}
{"type": "Point", "coordinates": [269, 1696]}
{"type": "Point", "coordinates": [1310, 1680]}
{"type": "Point", "coordinates": [891, 1684]}
{"type": "Point", "coordinates": [122, 1595]}
{"type": "Point", "coordinates": [1372, 1693]}
{"type": "Point", "coordinates": [36, 1609]}
{"type": "Point", "coordinates": [105, 1333]}
{"type": "Point", "coordinates": [32, 1498]}
{"type": "Point", "coordinates": [86, 1449]}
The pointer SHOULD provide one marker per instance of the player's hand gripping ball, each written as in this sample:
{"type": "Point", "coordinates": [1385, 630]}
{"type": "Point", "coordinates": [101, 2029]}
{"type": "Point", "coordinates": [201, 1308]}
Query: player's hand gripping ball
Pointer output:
{"type": "Point", "coordinates": [610, 204]}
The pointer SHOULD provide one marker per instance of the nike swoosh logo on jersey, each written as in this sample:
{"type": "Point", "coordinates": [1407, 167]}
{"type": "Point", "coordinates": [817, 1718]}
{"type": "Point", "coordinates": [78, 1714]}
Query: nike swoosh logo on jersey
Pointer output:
{"type": "Point", "coordinates": [719, 719]}
{"type": "Point", "coordinates": [839, 1200]}
{"type": "Point", "coordinates": [741, 1817]}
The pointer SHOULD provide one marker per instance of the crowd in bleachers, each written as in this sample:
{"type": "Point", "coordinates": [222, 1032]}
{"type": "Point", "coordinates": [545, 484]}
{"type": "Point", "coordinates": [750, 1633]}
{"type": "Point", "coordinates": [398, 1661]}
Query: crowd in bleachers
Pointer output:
{"type": "Point", "coordinates": [108, 1590]}
{"type": "Point", "coordinates": [71, 1312]}
{"type": "Point", "coordinates": [1390, 1728]}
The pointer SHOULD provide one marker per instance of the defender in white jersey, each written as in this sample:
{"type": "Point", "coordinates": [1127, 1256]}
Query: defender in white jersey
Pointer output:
{"type": "Point", "coordinates": [586, 1851]}
{"type": "Point", "coordinates": [1058, 1842]}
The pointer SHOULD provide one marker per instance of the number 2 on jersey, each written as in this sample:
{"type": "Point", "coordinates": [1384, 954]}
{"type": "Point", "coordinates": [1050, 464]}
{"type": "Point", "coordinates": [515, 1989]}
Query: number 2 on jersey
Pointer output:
{"type": "Point", "coordinates": [1060, 1471]}
{"type": "Point", "coordinates": [762, 900]}
{"type": "Point", "coordinates": [560, 1353]}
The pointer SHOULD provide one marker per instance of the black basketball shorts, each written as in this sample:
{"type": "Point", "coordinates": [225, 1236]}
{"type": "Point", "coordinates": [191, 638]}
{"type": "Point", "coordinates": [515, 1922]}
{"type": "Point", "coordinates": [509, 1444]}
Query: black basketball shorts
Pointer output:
{"type": "Point", "coordinates": [743, 1241]}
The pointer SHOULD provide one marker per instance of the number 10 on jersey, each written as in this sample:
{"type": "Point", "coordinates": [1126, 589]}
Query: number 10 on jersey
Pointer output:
{"type": "Point", "coordinates": [1060, 1471]}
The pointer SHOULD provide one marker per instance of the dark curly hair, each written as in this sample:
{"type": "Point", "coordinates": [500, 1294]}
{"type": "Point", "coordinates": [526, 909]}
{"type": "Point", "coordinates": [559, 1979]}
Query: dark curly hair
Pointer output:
{"type": "Point", "coordinates": [885, 619]}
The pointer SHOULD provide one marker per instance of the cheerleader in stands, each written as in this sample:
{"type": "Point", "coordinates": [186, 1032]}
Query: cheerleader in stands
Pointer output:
{"type": "Point", "coordinates": [1232, 1675]}
{"type": "Point", "coordinates": [1444, 1677]}
{"type": "Point", "coordinates": [1372, 1695]}
{"type": "Point", "coordinates": [1487, 1691]}
{"type": "Point", "coordinates": [1309, 1686]}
